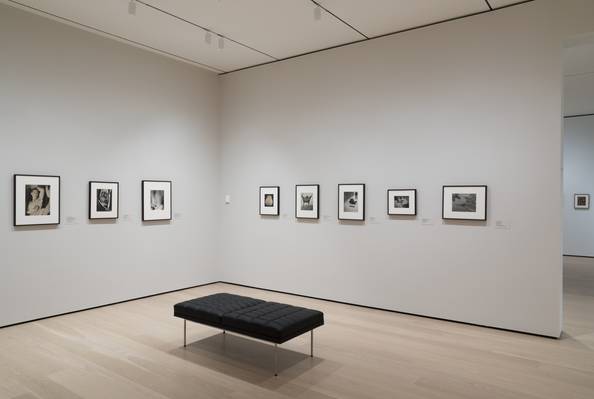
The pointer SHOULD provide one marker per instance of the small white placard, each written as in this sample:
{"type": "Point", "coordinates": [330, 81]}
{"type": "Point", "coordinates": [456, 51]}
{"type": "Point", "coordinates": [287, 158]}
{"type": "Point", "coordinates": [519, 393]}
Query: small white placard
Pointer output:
{"type": "Point", "coordinates": [503, 225]}
{"type": "Point", "coordinates": [427, 221]}
{"type": "Point", "coordinates": [71, 220]}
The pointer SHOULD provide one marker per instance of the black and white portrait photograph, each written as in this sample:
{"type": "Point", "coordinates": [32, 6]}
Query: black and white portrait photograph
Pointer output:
{"type": "Point", "coordinates": [581, 201]}
{"type": "Point", "coordinates": [402, 202]}
{"type": "Point", "coordinates": [103, 200]}
{"type": "Point", "coordinates": [156, 200]}
{"type": "Point", "coordinates": [269, 200]}
{"type": "Point", "coordinates": [36, 200]}
{"type": "Point", "coordinates": [307, 201]}
{"type": "Point", "coordinates": [351, 201]}
{"type": "Point", "coordinates": [464, 203]}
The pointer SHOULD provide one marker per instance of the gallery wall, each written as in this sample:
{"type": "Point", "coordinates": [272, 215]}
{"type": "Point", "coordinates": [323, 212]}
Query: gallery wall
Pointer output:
{"type": "Point", "coordinates": [578, 169]}
{"type": "Point", "coordinates": [88, 108]}
{"type": "Point", "coordinates": [474, 101]}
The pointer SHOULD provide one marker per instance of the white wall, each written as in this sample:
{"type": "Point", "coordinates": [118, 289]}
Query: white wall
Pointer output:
{"type": "Point", "coordinates": [84, 107]}
{"type": "Point", "coordinates": [578, 68]}
{"type": "Point", "coordinates": [578, 159]}
{"type": "Point", "coordinates": [476, 101]}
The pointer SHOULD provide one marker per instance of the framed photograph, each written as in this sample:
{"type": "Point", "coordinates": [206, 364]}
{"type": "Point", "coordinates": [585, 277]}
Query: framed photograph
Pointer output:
{"type": "Point", "coordinates": [351, 202]}
{"type": "Point", "coordinates": [104, 200]}
{"type": "Point", "coordinates": [36, 200]}
{"type": "Point", "coordinates": [156, 200]}
{"type": "Point", "coordinates": [581, 201]}
{"type": "Point", "coordinates": [402, 202]}
{"type": "Point", "coordinates": [269, 200]}
{"type": "Point", "coordinates": [464, 203]}
{"type": "Point", "coordinates": [307, 201]}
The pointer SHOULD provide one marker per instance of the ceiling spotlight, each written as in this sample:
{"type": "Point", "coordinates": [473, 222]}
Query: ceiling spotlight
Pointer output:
{"type": "Point", "coordinates": [208, 37]}
{"type": "Point", "coordinates": [221, 42]}
{"type": "Point", "coordinates": [132, 7]}
{"type": "Point", "coordinates": [318, 13]}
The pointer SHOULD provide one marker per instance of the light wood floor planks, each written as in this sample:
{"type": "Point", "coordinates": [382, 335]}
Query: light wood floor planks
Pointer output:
{"type": "Point", "coordinates": [135, 350]}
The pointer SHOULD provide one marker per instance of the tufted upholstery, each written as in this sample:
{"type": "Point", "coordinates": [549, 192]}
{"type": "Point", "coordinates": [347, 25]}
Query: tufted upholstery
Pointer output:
{"type": "Point", "coordinates": [269, 321]}
{"type": "Point", "coordinates": [212, 308]}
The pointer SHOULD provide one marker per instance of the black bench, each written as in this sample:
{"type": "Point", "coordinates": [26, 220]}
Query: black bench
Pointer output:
{"type": "Point", "coordinates": [266, 321]}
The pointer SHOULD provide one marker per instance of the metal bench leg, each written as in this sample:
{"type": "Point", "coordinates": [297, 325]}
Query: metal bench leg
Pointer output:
{"type": "Point", "coordinates": [275, 360]}
{"type": "Point", "coordinates": [184, 333]}
{"type": "Point", "coordinates": [311, 344]}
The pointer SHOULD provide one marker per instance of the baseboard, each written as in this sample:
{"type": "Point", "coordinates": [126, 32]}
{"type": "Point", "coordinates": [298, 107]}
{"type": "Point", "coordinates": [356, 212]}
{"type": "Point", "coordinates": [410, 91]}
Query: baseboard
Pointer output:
{"type": "Point", "coordinates": [579, 256]}
{"type": "Point", "coordinates": [286, 293]}
{"type": "Point", "coordinates": [107, 304]}
{"type": "Point", "coordinates": [393, 311]}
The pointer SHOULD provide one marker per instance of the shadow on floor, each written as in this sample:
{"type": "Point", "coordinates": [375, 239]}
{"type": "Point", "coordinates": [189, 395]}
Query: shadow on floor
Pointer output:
{"type": "Point", "coordinates": [247, 359]}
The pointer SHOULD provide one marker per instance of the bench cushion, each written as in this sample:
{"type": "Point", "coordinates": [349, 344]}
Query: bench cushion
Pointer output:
{"type": "Point", "coordinates": [273, 321]}
{"type": "Point", "coordinates": [210, 309]}
{"type": "Point", "coordinates": [269, 321]}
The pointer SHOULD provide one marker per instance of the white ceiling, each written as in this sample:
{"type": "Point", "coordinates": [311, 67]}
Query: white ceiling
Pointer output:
{"type": "Point", "coordinates": [257, 31]}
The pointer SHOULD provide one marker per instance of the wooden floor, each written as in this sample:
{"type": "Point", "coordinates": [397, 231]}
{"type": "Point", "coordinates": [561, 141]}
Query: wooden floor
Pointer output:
{"type": "Point", "coordinates": [134, 350]}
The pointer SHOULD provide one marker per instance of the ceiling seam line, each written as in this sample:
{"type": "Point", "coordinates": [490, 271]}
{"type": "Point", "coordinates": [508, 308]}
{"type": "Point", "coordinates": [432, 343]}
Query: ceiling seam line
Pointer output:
{"type": "Point", "coordinates": [489, 5]}
{"type": "Point", "coordinates": [340, 19]}
{"type": "Point", "coordinates": [204, 28]}
{"type": "Point", "coordinates": [380, 36]}
{"type": "Point", "coordinates": [189, 60]}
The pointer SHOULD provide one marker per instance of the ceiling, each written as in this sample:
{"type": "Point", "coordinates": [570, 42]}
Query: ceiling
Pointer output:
{"type": "Point", "coordinates": [254, 31]}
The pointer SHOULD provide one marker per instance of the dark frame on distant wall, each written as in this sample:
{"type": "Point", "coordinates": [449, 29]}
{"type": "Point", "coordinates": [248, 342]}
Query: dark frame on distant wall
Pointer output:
{"type": "Point", "coordinates": [464, 202]}
{"type": "Point", "coordinates": [350, 206]}
{"type": "Point", "coordinates": [577, 199]}
{"type": "Point", "coordinates": [109, 211]}
{"type": "Point", "coordinates": [402, 211]}
{"type": "Point", "coordinates": [152, 212]}
{"type": "Point", "coordinates": [313, 213]}
{"type": "Point", "coordinates": [274, 193]}
{"type": "Point", "coordinates": [44, 209]}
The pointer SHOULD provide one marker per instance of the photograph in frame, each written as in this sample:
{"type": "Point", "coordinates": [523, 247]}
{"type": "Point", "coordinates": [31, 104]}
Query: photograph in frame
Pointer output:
{"type": "Point", "coordinates": [402, 202]}
{"type": "Point", "coordinates": [104, 200]}
{"type": "Point", "coordinates": [351, 202]}
{"type": "Point", "coordinates": [307, 201]}
{"type": "Point", "coordinates": [269, 200]}
{"type": "Point", "coordinates": [36, 200]}
{"type": "Point", "coordinates": [581, 201]}
{"type": "Point", "coordinates": [464, 202]}
{"type": "Point", "coordinates": [156, 200]}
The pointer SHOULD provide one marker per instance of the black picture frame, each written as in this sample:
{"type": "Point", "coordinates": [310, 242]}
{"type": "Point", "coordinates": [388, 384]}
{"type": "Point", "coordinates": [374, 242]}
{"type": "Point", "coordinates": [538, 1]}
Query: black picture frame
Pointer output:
{"type": "Point", "coordinates": [339, 202]}
{"type": "Point", "coordinates": [16, 176]}
{"type": "Point", "coordinates": [277, 213]}
{"type": "Point", "coordinates": [144, 219]}
{"type": "Point", "coordinates": [578, 207]}
{"type": "Point", "coordinates": [478, 186]}
{"type": "Point", "coordinates": [396, 190]}
{"type": "Point", "coordinates": [91, 196]}
{"type": "Point", "coordinates": [317, 216]}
